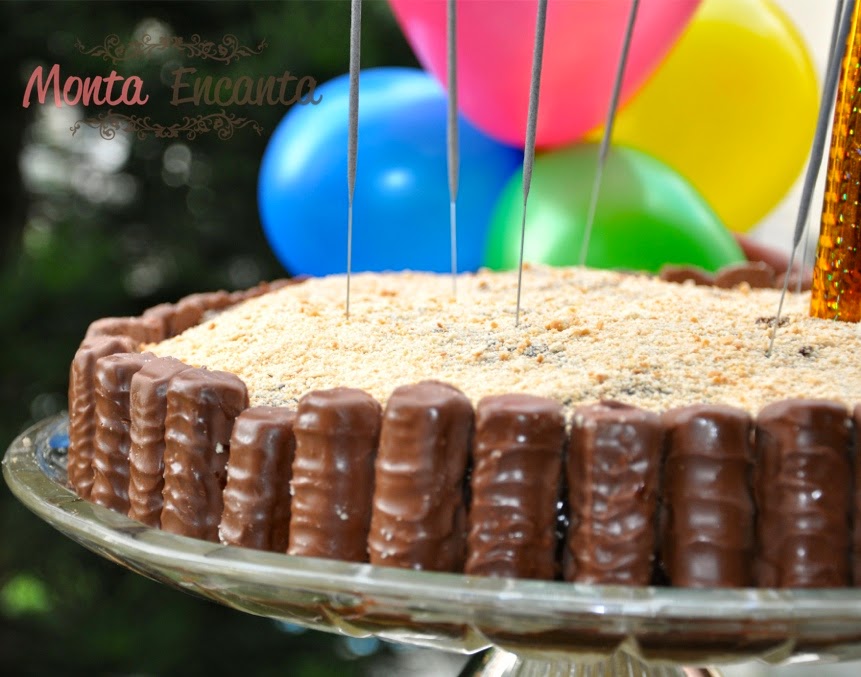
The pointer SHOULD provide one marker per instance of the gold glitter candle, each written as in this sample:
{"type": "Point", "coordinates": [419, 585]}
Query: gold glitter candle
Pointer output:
{"type": "Point", "coordinates": [836, 292]}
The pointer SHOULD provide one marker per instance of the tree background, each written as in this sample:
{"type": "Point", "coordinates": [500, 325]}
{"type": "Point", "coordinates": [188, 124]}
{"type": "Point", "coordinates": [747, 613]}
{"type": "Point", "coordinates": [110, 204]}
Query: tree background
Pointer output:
{"type": "Point", "coordinates": [94, 227]}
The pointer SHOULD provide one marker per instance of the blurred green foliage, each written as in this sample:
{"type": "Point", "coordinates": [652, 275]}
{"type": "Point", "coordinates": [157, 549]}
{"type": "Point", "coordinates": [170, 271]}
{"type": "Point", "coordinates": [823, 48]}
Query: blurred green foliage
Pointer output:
{"type": "Point", "coordinates": [91, 229]}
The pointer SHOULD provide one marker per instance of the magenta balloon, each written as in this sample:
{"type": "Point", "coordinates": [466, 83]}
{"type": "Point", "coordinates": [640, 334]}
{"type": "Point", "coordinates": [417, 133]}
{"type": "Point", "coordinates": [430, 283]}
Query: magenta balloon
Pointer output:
{"type": "Point", "coordinates": [581, 52]}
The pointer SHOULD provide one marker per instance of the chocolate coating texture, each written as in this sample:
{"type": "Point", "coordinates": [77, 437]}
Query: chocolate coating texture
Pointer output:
{"type": "Point", "coordinates": [201, 408]}
{"type": "Point", "coordinates": [707, 511]}
{"type": "Point", "coordinates": [82, 407]}
{"type": "Point", "coordinates": [856, 535]}
{"type": "Point", "coordinates": [265, 288]}
{"type": "Point", "coordinates": [805, 278]}
{"type": "Point", "coordinates": [148, 403]}
{"type": "Point", "coordinates": [680, 274]}
{"type": "Point", "coordinates": [802, 484]}
{"type": "Point", "coordinates": [163, 314]}
{"type": "Point", "coordinates": [612, 476]}
{"type": "Point", "coordinates": [337, 432]}
{"type": "Point", "coordinates": [113, 423]}
{"type": "Point", "coordinates": [140, 329]}
{"type": "Point", "coordinates": [257, 495]}
{"type": "Point", "coordinates": [756, 274]}
{"type": "Point", "coordinates": [190, 310]}
{"type": "Point", "coordinates": [419, 513]}
{"type": "Point", "coordinates": [517, 464]}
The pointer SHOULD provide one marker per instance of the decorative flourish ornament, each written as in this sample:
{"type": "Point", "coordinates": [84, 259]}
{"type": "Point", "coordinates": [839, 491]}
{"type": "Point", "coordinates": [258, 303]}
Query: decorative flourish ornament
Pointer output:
{"type": "Point", "coordinates": [223, 124]}
{"type": "Point", "coordinates": [115, 50]}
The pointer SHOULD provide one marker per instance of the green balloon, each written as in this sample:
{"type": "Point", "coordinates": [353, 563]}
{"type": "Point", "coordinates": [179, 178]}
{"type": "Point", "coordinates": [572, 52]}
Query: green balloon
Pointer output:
{"type": "Point", "coordinates": [647, 216]}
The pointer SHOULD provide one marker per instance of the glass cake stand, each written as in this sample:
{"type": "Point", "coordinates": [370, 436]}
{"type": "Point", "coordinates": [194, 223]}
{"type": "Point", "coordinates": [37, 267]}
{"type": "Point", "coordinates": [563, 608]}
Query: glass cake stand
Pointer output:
{"type": "Point", "coordinates": [515, 627]}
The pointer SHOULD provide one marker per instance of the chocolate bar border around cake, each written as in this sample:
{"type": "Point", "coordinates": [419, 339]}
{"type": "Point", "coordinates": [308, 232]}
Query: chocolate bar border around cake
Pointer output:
{"type": "Point", "coordinates": [162, 322]}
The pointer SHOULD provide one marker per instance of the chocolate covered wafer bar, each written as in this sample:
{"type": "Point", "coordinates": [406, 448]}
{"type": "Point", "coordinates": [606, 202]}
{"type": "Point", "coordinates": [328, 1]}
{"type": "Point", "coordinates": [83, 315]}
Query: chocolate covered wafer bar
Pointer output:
{"type": "Point", "coordinates": [419, 515]}
{"type": "Point", "coordinates": [162, 314]}
{"type": "Point", "coordinates": [201, 408]}
{"type": "Point", "coordinates": [802, 484]}
{"type": "Point", "coordinates": [517, 462]}
{"type": "Point", "coordinates": [257, 495]}
{"type": "Point", "coordinates": [140, 329]}
{"type": "Point", "coordinates": [707, 513]}
{"type": "Point", "coordinates": [680, 274]}
{"type": "Point", "coordinates": [264, 288]}
{"type": "Point", "coordinates": [148, 403]}
{"type": "Point", "coordinates": [612, 472]}
{"type": "Point", "coordinates": [190, 309]}
{"type": "Point", "coordinates": [337, 432]}
{"type": "Point", "coordinates": [856, 521]}
{"type": "Point", "coordinates": [798, 279]}
{"type": "Point", "coordinates": [82, 407]}
{"type": "Point", "coordinates": [113, 422]}
{"type": "Point", "coordinates": [756, 274]}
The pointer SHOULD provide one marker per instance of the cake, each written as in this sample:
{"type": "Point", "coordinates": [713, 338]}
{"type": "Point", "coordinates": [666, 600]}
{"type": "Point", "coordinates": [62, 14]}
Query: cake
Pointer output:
{"type": "Point", "coordinates": [630, 430]}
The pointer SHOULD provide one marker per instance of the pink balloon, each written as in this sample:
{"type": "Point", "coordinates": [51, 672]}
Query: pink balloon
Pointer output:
{"type": "Point", "coordinates": [581, 52]}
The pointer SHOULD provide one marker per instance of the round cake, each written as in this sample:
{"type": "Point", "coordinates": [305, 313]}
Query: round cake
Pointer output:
{"type": "Point", "coordinates": [628, 430]}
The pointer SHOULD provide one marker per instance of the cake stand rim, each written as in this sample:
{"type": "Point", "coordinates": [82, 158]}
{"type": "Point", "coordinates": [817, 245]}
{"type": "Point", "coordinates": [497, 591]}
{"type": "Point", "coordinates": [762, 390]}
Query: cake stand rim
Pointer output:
{"type": "Point", "coordinates": [348, 590]}
{"type": "Point", "coordinates": [58, 505]}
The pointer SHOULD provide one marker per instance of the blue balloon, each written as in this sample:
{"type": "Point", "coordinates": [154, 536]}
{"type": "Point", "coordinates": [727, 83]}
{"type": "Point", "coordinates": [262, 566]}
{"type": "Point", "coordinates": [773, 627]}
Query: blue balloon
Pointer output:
{"type": "Point", "coordinates": [401, 203]}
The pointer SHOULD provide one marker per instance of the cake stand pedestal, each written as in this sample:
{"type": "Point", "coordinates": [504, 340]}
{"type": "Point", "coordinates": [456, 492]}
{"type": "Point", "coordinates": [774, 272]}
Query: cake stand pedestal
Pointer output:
{"type": "Point", "coordinates": [499, 663]}
{"type": "Point", "coordinates": [514, 627]}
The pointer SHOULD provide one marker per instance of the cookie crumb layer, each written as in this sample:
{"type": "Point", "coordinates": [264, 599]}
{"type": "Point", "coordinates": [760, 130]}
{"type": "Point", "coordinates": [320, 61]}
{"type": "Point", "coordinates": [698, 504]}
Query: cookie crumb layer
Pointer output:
{"type": "Point", "coordinates": [584, 336]}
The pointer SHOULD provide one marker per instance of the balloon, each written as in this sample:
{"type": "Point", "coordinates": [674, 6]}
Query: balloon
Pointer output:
{"type": "Point", "coordinates": [647, 216]}
{"type": "Point", "coordinates": [582, 46]}
{"type": "Point", "coordinates": [401, 207]}
{"type": "Point", "coordinates": [732, 109]}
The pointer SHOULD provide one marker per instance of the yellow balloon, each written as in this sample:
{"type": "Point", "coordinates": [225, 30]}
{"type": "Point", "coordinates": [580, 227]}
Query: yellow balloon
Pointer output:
{"type": "Point", "coordinates": [732, 108]}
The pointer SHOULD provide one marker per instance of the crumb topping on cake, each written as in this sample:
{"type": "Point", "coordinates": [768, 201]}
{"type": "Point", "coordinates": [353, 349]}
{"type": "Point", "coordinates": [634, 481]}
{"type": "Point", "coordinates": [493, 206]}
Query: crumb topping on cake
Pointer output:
{"type": "Point", "coordinates": [584, 335]}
